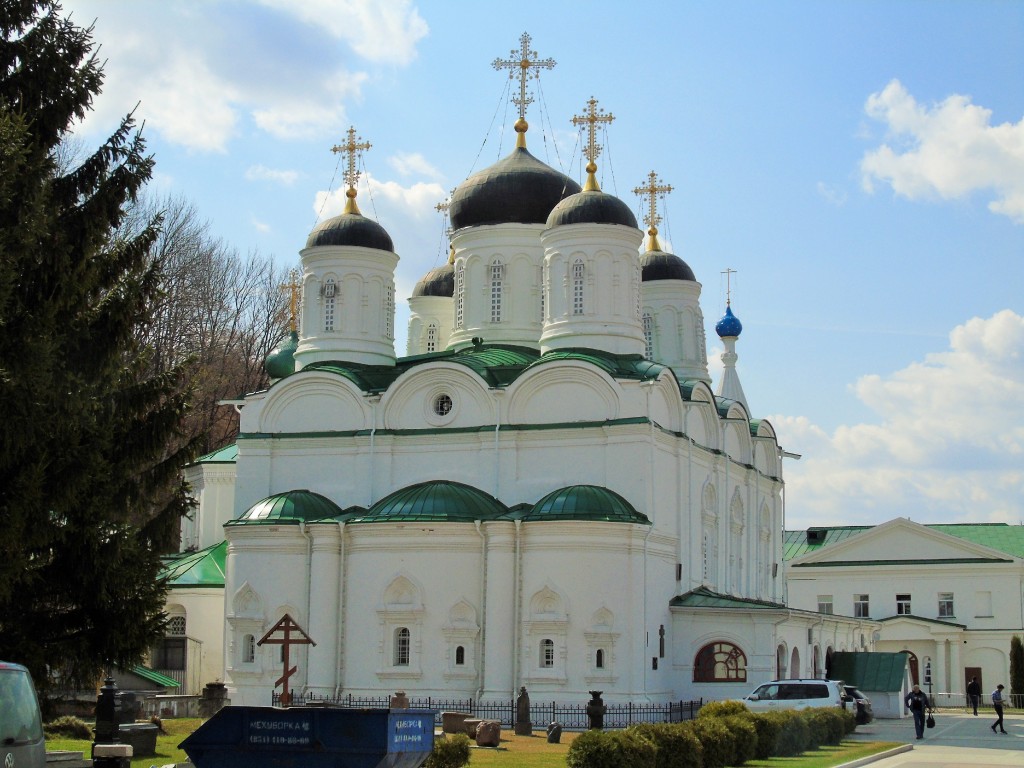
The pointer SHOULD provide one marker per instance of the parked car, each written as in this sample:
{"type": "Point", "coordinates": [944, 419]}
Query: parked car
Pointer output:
{"type": "Point", "coordinates": [22, 744]}
{"type": "Point", "coordinates": [796, 694]}
{"type": "Point", "coordinates": [862, 703]}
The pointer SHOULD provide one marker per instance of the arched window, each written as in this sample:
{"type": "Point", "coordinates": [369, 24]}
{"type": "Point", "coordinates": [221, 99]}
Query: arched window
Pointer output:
{"type": "Point", "coordinates": [432, 337]}
{"type": "Point", "coordinates": [648, 336]}
{"type": "Point", "coordinates": [720, 663]}
{"type": "Point", "coordinates": [577, 287]}
{"type": "Point", "coordinates": [460, 295]}
{"type": "Point", "coordinates": [547, 653]}
{"type": "Point", "coordinates": [460, 656]}
{"type": "Point", "coordinates": [248, 649]}
{"type": "Point", "coordinates": [599, 658]}
{"type": "Point", "coordinates": [401, 654]}
{"type": "Point", "coordinates": [497, 278]}
{"type": "Point", "coordinates": [170, 653]}
{"type": "Point", "coordinates": [330, 288]}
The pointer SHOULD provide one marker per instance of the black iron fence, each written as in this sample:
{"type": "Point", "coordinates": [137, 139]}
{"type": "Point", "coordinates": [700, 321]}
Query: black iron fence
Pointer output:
{"type": "Point", "coordinates": [572, 716]}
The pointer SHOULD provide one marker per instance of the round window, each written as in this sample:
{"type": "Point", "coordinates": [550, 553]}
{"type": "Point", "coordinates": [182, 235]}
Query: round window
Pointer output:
{"type": "Point", "coordinates": [442, 405]}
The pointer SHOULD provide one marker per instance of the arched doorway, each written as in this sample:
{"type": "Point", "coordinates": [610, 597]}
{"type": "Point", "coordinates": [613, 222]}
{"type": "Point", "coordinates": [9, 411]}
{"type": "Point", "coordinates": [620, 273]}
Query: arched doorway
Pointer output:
{"type": "Point", "coordinates": [794, 663]}
{"type": "Point", "coordinates": [912, 661]}
{"type": "Point", "coordinates": [780, 662]}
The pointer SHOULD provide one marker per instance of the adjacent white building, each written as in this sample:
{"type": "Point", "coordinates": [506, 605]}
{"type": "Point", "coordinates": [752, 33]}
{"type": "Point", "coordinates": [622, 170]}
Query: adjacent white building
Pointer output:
{"type": "Point", "coordinates": [950, 596]}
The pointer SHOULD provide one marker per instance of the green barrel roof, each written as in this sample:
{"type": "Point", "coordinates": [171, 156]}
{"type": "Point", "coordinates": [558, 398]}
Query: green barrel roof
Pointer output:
{"type": "Point", "coordinates": [433, 501]}
{"type": "Point", "coordinates": [289, 507]}
{"type": "Point", "coordinates": [585, 502]}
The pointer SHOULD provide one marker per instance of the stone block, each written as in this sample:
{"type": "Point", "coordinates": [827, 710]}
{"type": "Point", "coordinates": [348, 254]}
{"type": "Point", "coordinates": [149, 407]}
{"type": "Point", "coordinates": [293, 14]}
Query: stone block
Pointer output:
{"type": "Point", "coordinates": [488, 733]}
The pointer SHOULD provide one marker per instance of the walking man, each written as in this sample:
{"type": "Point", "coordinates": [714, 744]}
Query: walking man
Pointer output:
{"type": "Point", "coordinates": [917, 703]}
{"type": "Point", "coordinates": [997, 702]}
{"type": "Point", "coordinates": [974, 694]}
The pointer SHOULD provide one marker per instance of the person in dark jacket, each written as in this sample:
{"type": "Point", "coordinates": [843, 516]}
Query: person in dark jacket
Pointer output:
{"type": "Point", "coordinates": [974, 694]}
{"type": "Point", "coordinates": [917, 703]}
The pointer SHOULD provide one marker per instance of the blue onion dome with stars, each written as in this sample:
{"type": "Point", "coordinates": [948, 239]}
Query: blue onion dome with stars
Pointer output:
{"type": "Point", "coordinates": [729, 325]}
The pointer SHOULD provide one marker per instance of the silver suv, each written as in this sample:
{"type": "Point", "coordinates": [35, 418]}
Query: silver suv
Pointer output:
{"type": "Point", "coordinates": [22, 744]}
{"type": "Point", "coordinates": [804, 693]}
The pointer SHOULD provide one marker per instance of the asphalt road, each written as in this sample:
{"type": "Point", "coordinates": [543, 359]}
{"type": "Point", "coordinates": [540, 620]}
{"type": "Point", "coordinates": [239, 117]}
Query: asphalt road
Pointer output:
{"type": "Point", "coordinates": [958, 740]}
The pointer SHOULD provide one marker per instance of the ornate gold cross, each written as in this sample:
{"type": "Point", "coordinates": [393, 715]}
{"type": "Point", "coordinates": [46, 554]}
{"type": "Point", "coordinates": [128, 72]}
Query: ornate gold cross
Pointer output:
{"type": "Point", "coordinates": [526, 63]}
{"type": "Point", "coordinates": [352, 148]}
{"type": "Point", "coordinates": [292, 286]}
{"type": "Point", "coordinates": [653, 191]}
{"type": "Point", "coordinates": [592, 117]}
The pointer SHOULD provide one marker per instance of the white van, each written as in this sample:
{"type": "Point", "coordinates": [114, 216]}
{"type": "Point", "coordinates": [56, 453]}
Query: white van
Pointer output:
{"type": "Point", "coordinates": [796, 694]}
{"type": "Point", "coordinates": [22, 744]}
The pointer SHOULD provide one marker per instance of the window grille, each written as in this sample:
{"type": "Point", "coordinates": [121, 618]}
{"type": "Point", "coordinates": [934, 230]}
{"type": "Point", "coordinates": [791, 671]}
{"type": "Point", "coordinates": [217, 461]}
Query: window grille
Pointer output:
{"type": "Point", "coordinates": [497, 279]}
{"type": "Point", "coordinates": [577, 287]}
{"type": "Point", "coordinates": [402, 647]}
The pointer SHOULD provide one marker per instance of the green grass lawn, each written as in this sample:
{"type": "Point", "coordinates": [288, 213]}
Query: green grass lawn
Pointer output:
{"type": "Point", "coordinates": [514, 752]}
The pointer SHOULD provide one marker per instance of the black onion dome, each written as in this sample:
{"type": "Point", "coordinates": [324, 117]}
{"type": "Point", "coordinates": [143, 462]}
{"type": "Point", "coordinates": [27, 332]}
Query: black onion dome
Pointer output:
{"type": "Point", "coordinates": [519, 189]}
{"type": "Point", "coordinates": [593, 207]}
{"type": "Point", "coordinates": [350, 229]}
{"type": "Point", "coordinates": [658, 265]}
{"type": "Point", "coordinates": [437, 282]}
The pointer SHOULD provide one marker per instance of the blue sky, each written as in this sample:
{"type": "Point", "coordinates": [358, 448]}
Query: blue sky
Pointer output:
{"type": "Point", "coordinates": [859, 164]}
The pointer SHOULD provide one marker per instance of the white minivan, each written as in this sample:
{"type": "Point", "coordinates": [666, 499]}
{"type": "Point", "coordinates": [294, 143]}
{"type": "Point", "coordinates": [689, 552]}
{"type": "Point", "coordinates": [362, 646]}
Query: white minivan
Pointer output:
{"type": "Point", "coordinates": [22, 743]}
{"type": "Point", "coordinates": [796, 694]}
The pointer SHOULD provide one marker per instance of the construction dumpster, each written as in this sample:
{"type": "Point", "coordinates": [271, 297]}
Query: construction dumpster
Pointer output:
{"type": "Point", "coordinates": [312, 737]}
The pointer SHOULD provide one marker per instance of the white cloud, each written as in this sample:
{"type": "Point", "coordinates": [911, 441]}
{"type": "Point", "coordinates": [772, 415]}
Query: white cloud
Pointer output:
{"type": "Point", "coordinates": [948, 150]}
{"type": "Point", "coordinates": [413, 163]}
{"type": "Point", "coordinates": [262, 173]}
{"type": "Point", "coordinates": [384, 31]}
{"type": "Point", "coordinates": [413, 202]}
{"type": "Point", "coordinates": [948, 445]}
{"type": "Point", "coordinates": [260, 226]}
{"type": "Point", "coordinates": [833, 194]}
{"type": "Point", "coordinates": [199, 80]}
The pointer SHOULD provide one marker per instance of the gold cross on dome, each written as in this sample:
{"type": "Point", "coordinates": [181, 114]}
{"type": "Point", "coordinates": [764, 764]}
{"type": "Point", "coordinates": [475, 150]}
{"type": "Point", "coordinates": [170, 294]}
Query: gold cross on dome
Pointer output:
{"type": "Point", "coordinates": [652, 192]}
{"type": "Point", "coordinates": [292, 286]}
{"type": "Point", "coordinates": [352, 147]}
{"type": "Point", "coordinates": [728, 272]}
{"type": "Point", "coordinates": [592, 117]}
{"type": "Point", "coordinates": [526, 63]}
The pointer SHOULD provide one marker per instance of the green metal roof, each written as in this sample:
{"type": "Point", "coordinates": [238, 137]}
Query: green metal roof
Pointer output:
{"type": "Point", "coordinates": [617, 366]}
{"type": "Point", "coordinates": [289, 507]}
{"type": "Point", "coordinates": [998, 536]}
{"type": "Point", "coordinates": [226, 455]}
{"type": "Point", "coordinates": [155, 677]}
{"type": "Point", "coordinates": [702, 597]}
{"type": "Point", "coordinates": [433, 501]}
{"type": "Point", "coordinates": [869, 671]}
{"type": "Point", "coordinates": [585, 502]}
{"type": "Point", "coordinates": [204, 568]}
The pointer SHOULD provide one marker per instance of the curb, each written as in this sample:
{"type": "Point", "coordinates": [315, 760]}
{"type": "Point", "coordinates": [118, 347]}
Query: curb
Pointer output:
{"type": "Point", "coordinates": [880, 756]}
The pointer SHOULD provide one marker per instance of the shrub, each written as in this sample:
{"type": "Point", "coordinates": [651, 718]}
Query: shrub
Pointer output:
{"type": "Point", "coordinates": [768, 730]}
{"type": "Point", "coordinates": [722, 708]}
{"type": "Point", "coordinates": [794, 733]}
{"type": "Point", "coordinates": [826, 726]}
{"type": "Point", "coordinates": [611, 749]}
{"type": "Point", "coordinates": [744, 737]}
{"type": "Point", "coordinates": [715, 739]}
{"type": "Point", "coordinates": [849, 722]}
{"type": "Point", "coordinates": [69, 727]}
{"type": "Point", "coordinates": [676, 744]}
{"type": "Point", "coordinates": [450, 752]}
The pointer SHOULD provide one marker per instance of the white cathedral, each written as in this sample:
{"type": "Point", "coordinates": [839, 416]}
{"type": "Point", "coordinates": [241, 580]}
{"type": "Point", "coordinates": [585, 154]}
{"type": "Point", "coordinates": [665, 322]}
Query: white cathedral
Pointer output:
{"type": "Point", "coordinates": [545, 492]}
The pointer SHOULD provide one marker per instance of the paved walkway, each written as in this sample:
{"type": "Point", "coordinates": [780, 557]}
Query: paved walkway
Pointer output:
{"type": "Point", "coordinates": [957, 741]}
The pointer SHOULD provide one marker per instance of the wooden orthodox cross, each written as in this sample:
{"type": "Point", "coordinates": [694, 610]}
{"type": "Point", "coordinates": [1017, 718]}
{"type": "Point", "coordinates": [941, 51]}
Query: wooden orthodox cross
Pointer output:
{"type": "Point", "coordinates": [652, 192]}
{"type": "Point", "coordinates": [526, 63]}
{"type": "Point", "coordinates": [286, 633]}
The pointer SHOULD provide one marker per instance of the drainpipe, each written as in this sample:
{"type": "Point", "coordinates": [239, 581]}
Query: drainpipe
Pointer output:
{"type": "Point", "coordinates": [374, 400]}
{"type": "Point", "coordinates": [497, 429]}
{"type": "Point", "coordinates": [340, 614]}
{"type": "Point", "coordinates": [309, 589]}
{"type": "Point", "coordinates": [483, 608]}
{"type": "Point", "coordinates": [650, 530]}
{"type": "Point", "coordinates": [516, 592]}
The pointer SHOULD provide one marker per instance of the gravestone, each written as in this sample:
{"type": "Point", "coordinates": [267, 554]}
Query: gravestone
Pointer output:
{"type": "Point", "coordinates": [488, 733]}
{"type": "Point", "coordinates": [555, 732]}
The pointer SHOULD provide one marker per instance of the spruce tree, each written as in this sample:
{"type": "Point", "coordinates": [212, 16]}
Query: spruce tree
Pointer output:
{"type": "Point", "coordinates": [90, 453]}
{"type": "Point", "coordinates": [1016, 671]}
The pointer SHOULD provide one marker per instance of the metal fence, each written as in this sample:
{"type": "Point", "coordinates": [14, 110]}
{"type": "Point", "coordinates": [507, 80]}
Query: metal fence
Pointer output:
{"type": "Point", "coordinates": [572, 716]}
